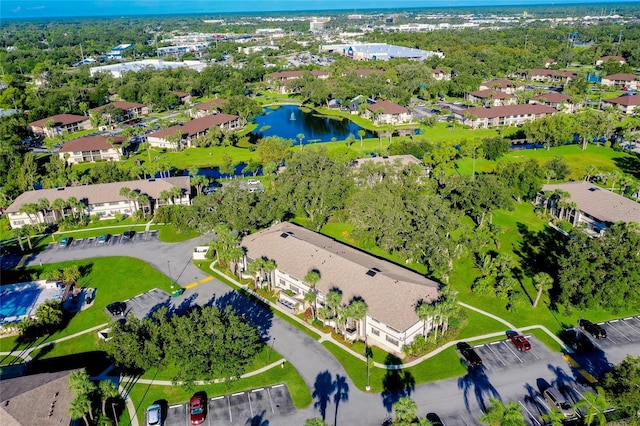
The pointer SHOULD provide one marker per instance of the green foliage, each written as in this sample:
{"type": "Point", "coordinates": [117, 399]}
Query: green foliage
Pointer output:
{"type": "Point", "coordinates": [559, 167]}
{"type": "Point", "coordinates": [204, 344]}
{"type": "Point", "coordinates": [622, 386]}
{"type": "Point", "coordinates": [494, 148]}
{"type": "Point", "coordinates": [601, 271]}
{"type": "Point", "coordinates": [500, 415]}
{"type": "Point", "coordinates": [48, 318]}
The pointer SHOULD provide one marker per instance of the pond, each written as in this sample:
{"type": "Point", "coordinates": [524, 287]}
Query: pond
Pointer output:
{"type": "Point", "coordinates": [288, 121]}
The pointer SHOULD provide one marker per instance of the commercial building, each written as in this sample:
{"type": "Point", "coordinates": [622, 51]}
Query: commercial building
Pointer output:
{"type": "Point", "coordinates": [117, 70]}
{"type": "Point", "coordinates": [379, 51]}
{"type": "Point", "coordinates": [390, 292]}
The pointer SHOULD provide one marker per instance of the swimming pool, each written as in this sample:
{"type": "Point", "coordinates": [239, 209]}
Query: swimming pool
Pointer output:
{"type": "Point", "coordinates": [20, 300]}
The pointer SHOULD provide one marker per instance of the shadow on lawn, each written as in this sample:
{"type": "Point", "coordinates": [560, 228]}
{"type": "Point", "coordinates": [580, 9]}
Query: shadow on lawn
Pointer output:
{"type": "Point", "coordinates": [629, 164]}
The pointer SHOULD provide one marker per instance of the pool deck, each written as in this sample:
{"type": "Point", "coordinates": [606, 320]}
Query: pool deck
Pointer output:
{"type": "Point", "coordinates": [48, 290]}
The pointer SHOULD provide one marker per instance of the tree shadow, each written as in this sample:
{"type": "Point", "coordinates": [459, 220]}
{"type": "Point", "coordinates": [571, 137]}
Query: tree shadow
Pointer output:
{"type": "Point", "coordinates": [322, 390]}
{"type": "Point", "coordinates": [258, 420]}
{"type": "Point", "coordinates": [95, 362]}
{"type": "Point", "coordinates": [533, 398]}
{"type": "Point", "coordinates": [629, 164]}
{"type": "Point", "coordinates": [184, 307]}
{"type": "Point", "coordinates": [257, 315]}
{"type": "Point", "coordinates": [477, 382]}
{"type": "Point", "coordinates": [396, 383]}
{"type": "Point", "coordinates": [341, 395]}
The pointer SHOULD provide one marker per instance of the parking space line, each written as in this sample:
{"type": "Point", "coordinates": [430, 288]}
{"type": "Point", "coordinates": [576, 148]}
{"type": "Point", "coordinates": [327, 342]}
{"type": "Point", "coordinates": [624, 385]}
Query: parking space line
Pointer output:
{"type": "Point", "coordinates": [629, 326]}
{"type": "Point", "coordinates": [511, 350]}
{"type": "Point", "coordinates": [628, 318]}
{"type": "Point", "coordinates": [530, 414]}
{"type": "Point", "coordinates": [613, 321]}
{"type": "Point", "coordinates": [250, 406]}
{"type": "Point", "coordinates": [271, 401]}
{"type": "Point", "coordinates": [236, 394]}
{"type": "Point", "coordinates": [217, 398]}
{"type": "Point", "coordinates": [277, 386]}
{"type": "Point", "coordinates": [206, 279]}
{"type": "Point", "coordinates": [229, 405]}
{"type": "Point", "coordinates": [620, 333]}
{"type": "Point", "coordinates": [499, 358]}
{"type": "Point", "coordinates": [175, 406]}
{"type": "Point", "coordinates": [257, 390]}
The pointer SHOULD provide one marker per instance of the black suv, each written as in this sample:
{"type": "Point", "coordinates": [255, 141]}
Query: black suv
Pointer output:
{"type": "Point", "coordinates": [117, 308]}
{"type": "Point", "coordinates": [128, 235]}
{"type": "Point", "coordinates": [594, 329]}
{"type": "Point", "coordinates": [469, 354]}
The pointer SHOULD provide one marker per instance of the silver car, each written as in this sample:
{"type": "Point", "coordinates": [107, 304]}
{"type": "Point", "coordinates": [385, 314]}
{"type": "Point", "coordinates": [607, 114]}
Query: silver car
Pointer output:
{"type": "Point", "coordinates": [154, 415]}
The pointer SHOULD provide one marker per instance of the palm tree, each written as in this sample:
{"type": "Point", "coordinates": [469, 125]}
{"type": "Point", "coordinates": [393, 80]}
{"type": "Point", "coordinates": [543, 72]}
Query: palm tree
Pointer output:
{"type": "Point", "coordinates": [126, 193]}
{"type": "Point", "coordinates": [324, 313]}
{"type": "Point", "coordinates": [500, 415]}
{"type": "Point", "coordinates": [107, 389]}
{"type": "Point", "coordinates": [59, 204]}
{"type": "Point", "coordinates": [311, 298]}
{"type": "Point", "coordinates": [71, 274]}
{"type": "Point", "coordinates": [79, 407]}
{"type": "Point", "coordinates": [44, 205]}
{"type": "Point", "coordinates": [26, 231]}
{"type": "Point", "coordinates": [316, 421]}
{"type": "Point", "coordinates": [594, 405]}
{"type": "Point", "coordinates": [426, 312]}
{"type": "Point", "coordinates": [553, 418]}
{"type": "Point", "coordinates": [312, 279]}
{"type": "Point", "coordinates": [165, 195]}
{"type": "Point", "coordinates": [176, 192]}
{"type": "Point", "coordinates": [358, 311]}
{"type": "Point", "coordinates": [143, 202]}
{"type": "Point", "coordinates": [542, 282]}
{"type": "Point", "coordinates": [300, 137]}
{"type": "Point", "coordinates": [614, 175]}
{"type": "Point", "coordinates": [268, 267]}
{"type": "Point", "coordinates": [406, 410]}
{"type": "Point", "coordinates": [362, 133]}
{"type": "Point", "coordinates": [30, 209]}
{"type": "Point", "coordinates": [133, 196]}
{"type": "Point", "coordinates": [590, 171]}
{"type": "Point", "coordinates": [334, 299]}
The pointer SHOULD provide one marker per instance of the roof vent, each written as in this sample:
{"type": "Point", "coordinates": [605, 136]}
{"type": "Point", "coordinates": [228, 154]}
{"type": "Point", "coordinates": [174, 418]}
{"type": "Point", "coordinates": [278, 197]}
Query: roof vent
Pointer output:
{"type": "Point", "coordinates": [371, 273]}
{"type": "Point", "coordinates": [60, 189]}
{"type": "Point", "coordinates": [152, 180]}
{"type": "Point", "coordinates": [284, 235]}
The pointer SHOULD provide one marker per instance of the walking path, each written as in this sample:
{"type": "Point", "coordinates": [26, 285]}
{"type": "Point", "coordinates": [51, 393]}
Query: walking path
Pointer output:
{"type": "Point", "coordinates": [310, 358]}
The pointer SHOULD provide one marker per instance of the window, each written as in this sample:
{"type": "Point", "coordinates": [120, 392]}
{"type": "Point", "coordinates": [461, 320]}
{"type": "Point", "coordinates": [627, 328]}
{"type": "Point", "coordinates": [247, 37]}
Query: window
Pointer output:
{"type": "Point", "coordinates": [282, 282]}
{"type": "Point", "coordinates": [375, 331]}
{"type": "Point", "coordinates": [294, 289]}
{"type": "Point", "coordinates": [392, 341]}
{"type": "Point", "coordinates": [98, 205]}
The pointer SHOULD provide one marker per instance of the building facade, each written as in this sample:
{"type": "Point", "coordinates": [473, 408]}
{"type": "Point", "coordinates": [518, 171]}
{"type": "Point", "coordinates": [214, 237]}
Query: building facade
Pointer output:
{"type": "Point", "coordinates": [59, 124]}
{"type": "Point", "coordinates": [91, 149]}
{"type": "Point", "coordinates": [390, 292]}
{"type": "Point", "coordinates": [183, 135]}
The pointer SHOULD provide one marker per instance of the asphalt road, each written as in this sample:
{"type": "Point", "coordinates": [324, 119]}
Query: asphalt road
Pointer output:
{"type": "Point", "coordinates": [458, 401]}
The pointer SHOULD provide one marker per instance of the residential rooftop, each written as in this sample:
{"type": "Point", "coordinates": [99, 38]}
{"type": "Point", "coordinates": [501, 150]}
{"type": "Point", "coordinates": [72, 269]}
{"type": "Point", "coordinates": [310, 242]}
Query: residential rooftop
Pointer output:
{"type": "Point", "coordinates": [91, 143]}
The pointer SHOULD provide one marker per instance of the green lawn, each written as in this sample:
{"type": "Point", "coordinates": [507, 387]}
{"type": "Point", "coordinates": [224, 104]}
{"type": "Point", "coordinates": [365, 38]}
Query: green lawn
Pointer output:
{"type": "Point", "coordinates": [144, 395]}
{"type": "Point", "coordinates": [442, 366]}
{"type": "Point", "coordinates": [603, 158]}
{"type": "Point", "coordinates": [10, 359]}
{"type": "Point", "coordinates": [172, 234]}
{"type": "Point", "coordinates": [114, 278]}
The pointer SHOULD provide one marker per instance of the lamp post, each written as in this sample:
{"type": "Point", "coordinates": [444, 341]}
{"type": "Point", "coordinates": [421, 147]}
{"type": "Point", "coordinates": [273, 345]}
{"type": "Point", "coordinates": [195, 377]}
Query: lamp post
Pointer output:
{"type": "Point", "coordinates": [170, 279]}
{"type": "Point", "coordinates": [113, 407]}
{"type": "Point", "coordinates": [368, 387]}
{"type": "Point", "coordinates": [273, 342]}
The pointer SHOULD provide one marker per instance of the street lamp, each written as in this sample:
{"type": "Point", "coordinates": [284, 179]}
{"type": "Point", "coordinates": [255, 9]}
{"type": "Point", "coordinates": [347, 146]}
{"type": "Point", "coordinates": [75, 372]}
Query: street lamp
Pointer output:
{"type": "Point", "coordinates": [273, 342]}
{"type": "Point", "coordinates": [368, 387]}
{"type": "Point", "coordinates": [170, 279]}
{"type": "Point", "coordinates": [113, 407]}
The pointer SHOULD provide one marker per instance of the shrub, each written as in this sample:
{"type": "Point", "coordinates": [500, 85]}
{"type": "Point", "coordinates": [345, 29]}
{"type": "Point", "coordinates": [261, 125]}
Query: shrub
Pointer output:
{"type": "Point", "coordinates": [565, 225]}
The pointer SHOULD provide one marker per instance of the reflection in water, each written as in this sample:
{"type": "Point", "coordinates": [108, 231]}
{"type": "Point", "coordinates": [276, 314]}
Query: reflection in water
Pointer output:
{"type": "Point", "coordinates": [288, 121]}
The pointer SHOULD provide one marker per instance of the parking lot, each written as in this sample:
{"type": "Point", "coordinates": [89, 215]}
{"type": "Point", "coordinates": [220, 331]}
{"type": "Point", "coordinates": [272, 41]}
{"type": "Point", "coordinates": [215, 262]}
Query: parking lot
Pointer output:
{"type": "Point", "coordinates": [81, 243]}
{"type": "Point", "coordinates": [257, 406]}
{"type": "Point", "coordinates": [620, 332]}
{"type": "Point", "coordinates": [504, 354]}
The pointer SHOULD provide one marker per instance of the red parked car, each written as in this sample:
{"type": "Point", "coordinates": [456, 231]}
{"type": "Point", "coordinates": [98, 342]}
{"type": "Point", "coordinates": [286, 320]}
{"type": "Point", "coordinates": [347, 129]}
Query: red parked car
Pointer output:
{"type": "Point", "coordinates": [519, 340]}
{"type": "Point", "coordinates": [197, 409]}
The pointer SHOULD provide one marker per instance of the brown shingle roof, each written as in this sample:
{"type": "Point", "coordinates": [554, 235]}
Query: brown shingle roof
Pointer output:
{"type": "Point", "coordinates": [60, 120]}
{"type": "Point", "coordinates": [598, 202]}
{"type": "Point", "coordinates": [617, 58]}
{"type": "Point", "coordinates": [362, 72]}
{"type": "Point", "coordinates": [391, 295]}
{"type": "Point", "coordinates": [388, 107]}
{"type": "Point", "coordinates": [552, 97]}
{"type": "Point", "coordinates": [193, 127]}
{"type": "Point", "coordinates": [206, 106]}
{"type": "Point", "coordinates": [491, 94]}
{"type": "Point", "coordinates": [90, 143]}
{"type": "Point", "coordinates": [39, 399]}
{"type": "Point", "coordinates": [180, 94]}
{"type": "Point", "coordinates": [509, 110]}
{"type": "Point", "coordinates": [633, 100]}
{"type": "Point", "coordinates": [101, 192]}
{"type": "Point", "coordinates": [498, 82]}
{"type": "Point", "coordinates": [622, 77]}
{"type": "Point", "coordinates": [552, 73]}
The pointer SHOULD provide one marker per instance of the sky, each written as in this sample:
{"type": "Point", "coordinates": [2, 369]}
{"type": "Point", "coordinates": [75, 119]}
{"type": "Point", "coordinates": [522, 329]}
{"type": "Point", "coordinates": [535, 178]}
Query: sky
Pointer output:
{"type": "Point", "coordinates": [16, 9]}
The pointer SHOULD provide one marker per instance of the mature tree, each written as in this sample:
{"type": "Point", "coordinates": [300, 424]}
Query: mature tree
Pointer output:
{"type": "Point", "coordinates": [314, 183]}
{"type": "Point", "coordinates": [357, 310]}
{"type": "Point", "coordinates": [334, 300]}
{"type": "Point", "coordinates": [79, 407]}
{"type": "Point", "coordinates": [273, 150]}
{"type": "Point", "coordinates": [83, 388]}
{"type": "Point", "coordinates": [525, 179]}
{"type": "Point", "coordinates": [621, 386]}
{"type": "Point", "coordinates": [71, 274]}
{"type": "Point", "coordinates": [559, 167]}
{"type": "Point", "coordinates": [312, 278]}
{"type": "Point", "coordinates": [594, 406]}
{"type": "Point", "coordinates": [500, 415]}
